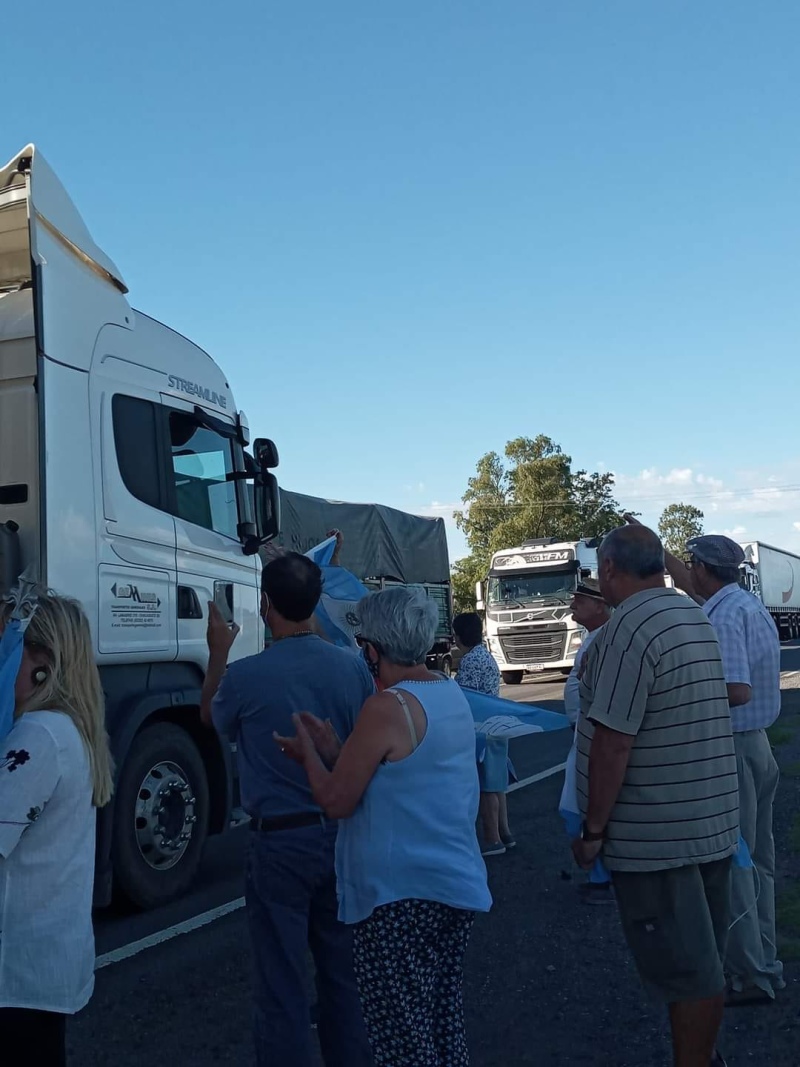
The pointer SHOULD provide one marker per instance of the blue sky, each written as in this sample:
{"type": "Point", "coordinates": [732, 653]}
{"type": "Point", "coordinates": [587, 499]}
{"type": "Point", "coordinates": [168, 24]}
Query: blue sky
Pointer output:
{"type": "Point", "coordinates": [410, 232]}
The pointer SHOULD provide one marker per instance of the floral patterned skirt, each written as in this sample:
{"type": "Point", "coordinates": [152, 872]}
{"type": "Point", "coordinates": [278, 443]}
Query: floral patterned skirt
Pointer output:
{"type": "Point", "coordinates": [408, 960]}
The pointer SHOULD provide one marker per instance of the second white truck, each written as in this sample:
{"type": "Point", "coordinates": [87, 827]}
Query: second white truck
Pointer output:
{"type": "Point", "coordinates": [528, 623]}
{"type": "Point", "coordinates": [773, 575]}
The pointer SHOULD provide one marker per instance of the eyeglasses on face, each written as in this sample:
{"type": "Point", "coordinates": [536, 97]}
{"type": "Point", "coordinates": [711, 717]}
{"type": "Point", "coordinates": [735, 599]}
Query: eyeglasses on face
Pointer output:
{"type": "Point", "coordinates": [361, 641]}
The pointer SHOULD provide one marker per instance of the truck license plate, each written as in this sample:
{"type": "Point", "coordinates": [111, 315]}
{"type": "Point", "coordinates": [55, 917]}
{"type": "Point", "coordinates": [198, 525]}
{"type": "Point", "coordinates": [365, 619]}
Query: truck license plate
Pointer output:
{"type": "Point", "coordinates": [536, 667]}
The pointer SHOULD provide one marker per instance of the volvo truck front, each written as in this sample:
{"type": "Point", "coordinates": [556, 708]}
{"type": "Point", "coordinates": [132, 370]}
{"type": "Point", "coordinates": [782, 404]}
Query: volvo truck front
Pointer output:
{"type": "Point", "coordinates": [528, 623]}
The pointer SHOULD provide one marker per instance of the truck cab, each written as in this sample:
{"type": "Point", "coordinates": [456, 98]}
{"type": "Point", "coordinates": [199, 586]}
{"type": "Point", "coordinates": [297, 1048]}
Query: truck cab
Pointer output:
{"type": "Point", "coordinates": [528, 624]}
{"type": "Point", "coordinates": [123, 483]}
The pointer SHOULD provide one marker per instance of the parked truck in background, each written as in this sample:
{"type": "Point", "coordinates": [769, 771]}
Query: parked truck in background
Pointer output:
{"type": "Point", "coordinates": [123, 474]}
{"type": "Point", "coordinates": [528, 624]}
{"type": "Point", "coordinates": [773, 575]}
{"type": "Point", "coordinates": [382, 547]}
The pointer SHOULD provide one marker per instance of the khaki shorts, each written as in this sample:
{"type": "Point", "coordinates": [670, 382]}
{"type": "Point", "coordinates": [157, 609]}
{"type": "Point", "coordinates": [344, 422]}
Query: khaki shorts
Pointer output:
{"type": "Point", "coordinates": [676, 925]}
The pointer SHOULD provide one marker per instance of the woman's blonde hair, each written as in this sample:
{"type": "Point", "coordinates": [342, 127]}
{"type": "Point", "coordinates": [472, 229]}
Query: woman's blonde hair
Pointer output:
{"type": "Point", "coordinates": [59, 632]}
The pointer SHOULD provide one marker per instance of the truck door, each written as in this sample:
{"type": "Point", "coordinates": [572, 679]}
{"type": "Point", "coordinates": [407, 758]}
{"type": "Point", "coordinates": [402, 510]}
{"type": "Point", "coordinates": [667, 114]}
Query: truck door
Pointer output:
{"type": "Point", "coordinates": [209, 505]}
{"type": "Point", "coordinates": [136, 533]}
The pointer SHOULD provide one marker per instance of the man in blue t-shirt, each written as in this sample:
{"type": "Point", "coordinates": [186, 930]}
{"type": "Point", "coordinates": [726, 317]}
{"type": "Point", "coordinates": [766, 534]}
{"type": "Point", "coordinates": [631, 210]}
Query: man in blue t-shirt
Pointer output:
{"type": "Point", "coordinates": [290, 883]}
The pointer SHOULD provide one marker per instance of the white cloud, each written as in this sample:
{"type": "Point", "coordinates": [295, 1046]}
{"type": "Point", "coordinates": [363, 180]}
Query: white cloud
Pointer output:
{"type": "Point", "coordinates": [735, 533]}
{"type": "Point", "coordinates": [760, 504]}
{"type": "Point", "coordinates": [438, 510]}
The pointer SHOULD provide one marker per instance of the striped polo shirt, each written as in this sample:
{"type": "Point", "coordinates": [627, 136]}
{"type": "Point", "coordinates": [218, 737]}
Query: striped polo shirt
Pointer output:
{"type": "Point", "coordinates": [655, 672]}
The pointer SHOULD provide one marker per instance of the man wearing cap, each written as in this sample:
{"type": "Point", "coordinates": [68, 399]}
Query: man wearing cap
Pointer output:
{"type": "Point", "coordinates": [591, 612]}
{"type": "Point", "coordinates": [751, 659]}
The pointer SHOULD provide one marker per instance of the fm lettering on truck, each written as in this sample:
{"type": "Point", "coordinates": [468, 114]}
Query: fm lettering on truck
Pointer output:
{"type": "Point", "coordinates": [135, 609]}
{"type": "Point", "coordinates": [563, 555]}
{"type": "Point", "coordinates": [183, 385]}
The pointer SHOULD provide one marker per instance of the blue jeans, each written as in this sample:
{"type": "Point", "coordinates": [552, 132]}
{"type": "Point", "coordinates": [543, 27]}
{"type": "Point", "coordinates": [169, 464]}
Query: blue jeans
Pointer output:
{"type": "Point", "coordinates": [290, 889]}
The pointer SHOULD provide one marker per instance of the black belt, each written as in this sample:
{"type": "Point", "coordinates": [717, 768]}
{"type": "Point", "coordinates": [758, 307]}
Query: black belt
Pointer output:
{"type": "Point", "coordinates": [289, 822]}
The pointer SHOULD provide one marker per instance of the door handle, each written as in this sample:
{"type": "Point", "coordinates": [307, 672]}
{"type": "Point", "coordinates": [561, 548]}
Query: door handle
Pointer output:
{"type": "Point", "coordinates": [188, 603]}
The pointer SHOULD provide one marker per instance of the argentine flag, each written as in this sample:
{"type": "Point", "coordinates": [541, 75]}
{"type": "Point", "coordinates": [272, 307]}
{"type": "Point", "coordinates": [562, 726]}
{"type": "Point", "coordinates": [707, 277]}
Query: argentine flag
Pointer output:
{"type": "Point", "coordinates": [341, 592]}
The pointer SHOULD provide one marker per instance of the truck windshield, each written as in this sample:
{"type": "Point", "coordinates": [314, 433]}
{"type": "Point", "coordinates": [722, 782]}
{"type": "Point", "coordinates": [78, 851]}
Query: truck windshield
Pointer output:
{"type": "Point", "coordinates": [525, 589]}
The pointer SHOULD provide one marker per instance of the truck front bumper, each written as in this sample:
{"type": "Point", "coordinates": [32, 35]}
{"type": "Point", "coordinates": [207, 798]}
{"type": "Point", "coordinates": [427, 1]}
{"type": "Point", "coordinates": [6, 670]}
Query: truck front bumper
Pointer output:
{"type": "Point", "coordinates": [510, 656]}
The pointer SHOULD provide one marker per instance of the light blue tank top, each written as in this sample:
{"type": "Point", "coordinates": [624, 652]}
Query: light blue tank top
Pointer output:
{"type": "Point", "coordinates": [413, 834]}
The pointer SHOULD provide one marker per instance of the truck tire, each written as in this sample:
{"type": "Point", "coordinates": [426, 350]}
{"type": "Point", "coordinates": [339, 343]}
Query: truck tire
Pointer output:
{"type": "Point", "coordinates": [512, 677]}
{"type": "Point", "coordinates": [161, 813]}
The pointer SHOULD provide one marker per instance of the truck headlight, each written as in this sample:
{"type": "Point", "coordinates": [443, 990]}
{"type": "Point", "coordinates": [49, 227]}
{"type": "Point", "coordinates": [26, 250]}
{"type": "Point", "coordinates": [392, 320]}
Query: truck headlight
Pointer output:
{"type": "Point", "coordinates": [576, 638]}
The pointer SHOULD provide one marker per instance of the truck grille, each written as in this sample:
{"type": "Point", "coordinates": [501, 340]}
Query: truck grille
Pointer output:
{"type": "Point", "coordinates": [533, 646]}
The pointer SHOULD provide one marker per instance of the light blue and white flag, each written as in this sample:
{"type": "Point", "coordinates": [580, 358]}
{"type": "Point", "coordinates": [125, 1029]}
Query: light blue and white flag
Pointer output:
{"type": "Point", "coordinates": [341, 593]}
{"type": "Point", "coordinates": [23, 599]}
{"type": "Point", "coordinates": [506, 718]}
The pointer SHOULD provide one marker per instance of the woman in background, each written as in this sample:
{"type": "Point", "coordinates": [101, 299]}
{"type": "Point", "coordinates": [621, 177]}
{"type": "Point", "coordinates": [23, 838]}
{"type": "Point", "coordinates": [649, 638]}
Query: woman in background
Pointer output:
{"type": "Point", "coordinates": [55, 771]}
{"type": "Point", "coordinates": [478, 670]}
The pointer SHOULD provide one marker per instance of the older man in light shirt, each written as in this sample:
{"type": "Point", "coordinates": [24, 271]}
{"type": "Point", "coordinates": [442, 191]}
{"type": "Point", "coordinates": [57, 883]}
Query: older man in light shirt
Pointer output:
{"type": "Point", "coordinates": [750, 649]}
{"type": "Point", "coordinates": [590, 611]}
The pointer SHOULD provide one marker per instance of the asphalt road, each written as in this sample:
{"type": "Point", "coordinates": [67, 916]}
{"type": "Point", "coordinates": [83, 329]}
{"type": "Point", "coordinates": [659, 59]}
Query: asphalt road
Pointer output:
{"type": "Point", "coordinates": [548, 982]}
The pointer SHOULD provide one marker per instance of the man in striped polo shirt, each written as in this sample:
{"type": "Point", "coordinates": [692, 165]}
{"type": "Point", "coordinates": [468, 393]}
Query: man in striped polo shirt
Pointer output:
{"type": "Point", "coordinates": [656, 775]}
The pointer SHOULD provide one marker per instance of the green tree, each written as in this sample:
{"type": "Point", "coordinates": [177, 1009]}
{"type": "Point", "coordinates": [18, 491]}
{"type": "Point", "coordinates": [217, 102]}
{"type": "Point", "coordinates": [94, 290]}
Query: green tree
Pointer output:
{"type": "Point", "coordinates": [677, 524]}
{"type": "Point", "coordinates": [533, 492]}
{"type": "Point", "coordinates": [465, 573]}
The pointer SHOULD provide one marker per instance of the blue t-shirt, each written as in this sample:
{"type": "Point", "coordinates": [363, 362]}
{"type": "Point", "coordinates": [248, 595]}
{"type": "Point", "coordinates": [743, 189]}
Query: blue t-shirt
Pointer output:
{"type": "Point", "coordinates": [260, 694]}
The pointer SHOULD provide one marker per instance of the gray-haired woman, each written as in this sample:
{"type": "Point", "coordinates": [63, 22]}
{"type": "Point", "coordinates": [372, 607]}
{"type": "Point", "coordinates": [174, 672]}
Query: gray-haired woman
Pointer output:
{"type": "Point", "coordinates": [409, 870]}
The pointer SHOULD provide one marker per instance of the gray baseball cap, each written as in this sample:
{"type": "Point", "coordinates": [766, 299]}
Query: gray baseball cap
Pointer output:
{"type": "Point", "coordinates": [716, 550]}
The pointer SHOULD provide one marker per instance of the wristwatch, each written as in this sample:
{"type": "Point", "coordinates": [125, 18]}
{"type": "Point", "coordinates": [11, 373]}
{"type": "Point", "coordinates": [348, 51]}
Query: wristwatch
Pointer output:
{"type": "Point", "coordinates": [587, 835]}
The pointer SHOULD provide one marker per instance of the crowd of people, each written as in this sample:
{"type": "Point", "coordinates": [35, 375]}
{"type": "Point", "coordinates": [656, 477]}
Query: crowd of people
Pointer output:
{"type": "Point", "coordinates": [675, 776]}
{"type": "Point", "coordinates": [363, 783]}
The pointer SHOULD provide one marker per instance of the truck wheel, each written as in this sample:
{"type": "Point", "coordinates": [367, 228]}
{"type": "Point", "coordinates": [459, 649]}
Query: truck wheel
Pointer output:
{"type": "Point", "coordinates": [160, 816]}
{"type": "Point", "coordinates": [447, 666]}
{"type": "Point", "coordinates": [512, 677]}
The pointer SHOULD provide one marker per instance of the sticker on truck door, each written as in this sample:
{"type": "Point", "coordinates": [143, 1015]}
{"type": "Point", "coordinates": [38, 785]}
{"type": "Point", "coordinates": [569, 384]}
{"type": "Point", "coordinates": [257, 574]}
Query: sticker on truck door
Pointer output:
{"type": "Point", "coordinates": [134, 611]}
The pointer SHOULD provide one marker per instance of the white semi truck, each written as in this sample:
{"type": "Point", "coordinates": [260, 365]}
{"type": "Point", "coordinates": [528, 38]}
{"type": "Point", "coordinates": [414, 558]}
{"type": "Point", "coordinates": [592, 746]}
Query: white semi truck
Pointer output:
{"type": "Point", "coordinates": [528, 624]}
{"type": "Point", "coordinates": [123, 482]}
{"type": "Point", "coordinates": [773, 575]}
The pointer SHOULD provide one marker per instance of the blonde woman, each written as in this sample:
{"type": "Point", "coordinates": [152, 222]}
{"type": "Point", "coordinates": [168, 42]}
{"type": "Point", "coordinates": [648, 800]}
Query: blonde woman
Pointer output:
{"type": "Point", "coordinates": [55, 769]}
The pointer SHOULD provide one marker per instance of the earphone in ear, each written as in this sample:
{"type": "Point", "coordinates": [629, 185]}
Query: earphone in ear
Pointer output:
{"type": "Point", "coordinates": [39, 676]}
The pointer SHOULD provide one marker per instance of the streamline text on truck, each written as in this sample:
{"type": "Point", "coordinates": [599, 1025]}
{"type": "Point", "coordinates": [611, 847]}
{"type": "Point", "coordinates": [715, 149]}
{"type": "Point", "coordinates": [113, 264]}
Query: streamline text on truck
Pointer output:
{"type": "Point", "coordinates": [528, 624]}
{"type": "Point", "coordinates": [123, 471]}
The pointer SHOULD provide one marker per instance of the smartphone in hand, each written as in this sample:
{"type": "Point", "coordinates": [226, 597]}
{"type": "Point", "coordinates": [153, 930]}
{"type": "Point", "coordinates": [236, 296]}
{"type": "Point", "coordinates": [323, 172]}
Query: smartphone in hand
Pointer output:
{"type": "Point", "coordinates": [223, 600]}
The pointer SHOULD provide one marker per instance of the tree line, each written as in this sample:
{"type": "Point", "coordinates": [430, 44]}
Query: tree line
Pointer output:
{"type": "Point", "coordinates": [532, 491]}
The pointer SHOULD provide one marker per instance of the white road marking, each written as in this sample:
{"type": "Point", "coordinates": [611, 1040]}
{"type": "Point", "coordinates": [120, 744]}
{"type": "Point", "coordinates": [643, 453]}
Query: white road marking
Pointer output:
{"type": "Point", "coordinates": [117, 955]}
{"type": "Point", "coordinates": [536, 777]}
{"type": "Point", "coordinates": [135, 947]}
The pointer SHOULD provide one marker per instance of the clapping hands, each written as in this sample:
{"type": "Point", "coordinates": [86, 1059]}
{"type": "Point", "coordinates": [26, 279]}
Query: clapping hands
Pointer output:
{"type": "Point", "coordinates": [314, 737]}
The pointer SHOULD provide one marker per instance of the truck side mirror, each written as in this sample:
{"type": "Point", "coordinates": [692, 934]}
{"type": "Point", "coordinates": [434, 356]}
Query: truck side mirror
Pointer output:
{"type": "Point", "coordinates": [267, 500]}
{"type": "Point", "coordinates": [265, 452]}
{"type": "Point", "coordinates": [479, 602]}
